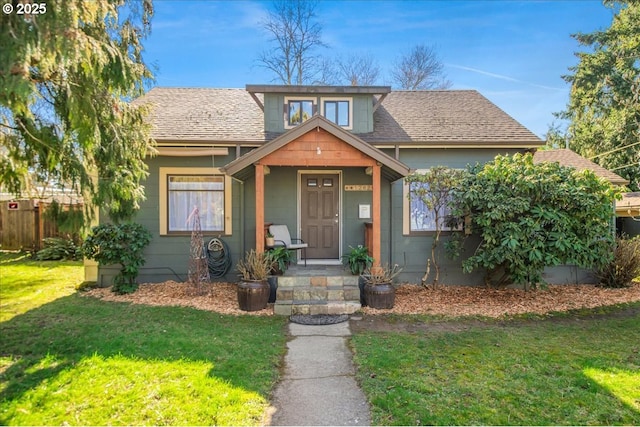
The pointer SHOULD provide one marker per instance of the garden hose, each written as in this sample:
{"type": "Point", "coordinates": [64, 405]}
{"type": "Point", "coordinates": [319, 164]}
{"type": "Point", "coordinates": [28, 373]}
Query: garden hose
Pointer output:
{"type": "Point", "coordinates": [218, 258]}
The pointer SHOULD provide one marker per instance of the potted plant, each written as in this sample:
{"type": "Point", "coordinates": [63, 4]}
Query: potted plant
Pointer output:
{"type": "Point", "coordinates": [270, 240]}
{"type": "Point", "coordinates": [253, 288]}
{"type": "Point", "coordinates": [378, 286]}
{"type": "Point", "coordinates": [358, 259]}
{"type": "Point", "coordinates": [280, 257]}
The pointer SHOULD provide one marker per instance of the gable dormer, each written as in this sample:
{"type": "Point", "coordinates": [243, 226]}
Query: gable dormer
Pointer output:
{"type": "Point", "coordinates": [350, 107]}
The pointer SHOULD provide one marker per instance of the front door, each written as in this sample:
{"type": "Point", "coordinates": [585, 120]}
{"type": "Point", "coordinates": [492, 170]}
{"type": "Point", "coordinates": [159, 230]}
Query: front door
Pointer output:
{"type": "Point", "coordinates": [320, 215]}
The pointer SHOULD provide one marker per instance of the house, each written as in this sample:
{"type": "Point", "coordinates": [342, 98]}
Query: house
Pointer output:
{"type": "Point", "coordinates": [326, 161]}
{"type": "Point", "coordinates": [628, 213]}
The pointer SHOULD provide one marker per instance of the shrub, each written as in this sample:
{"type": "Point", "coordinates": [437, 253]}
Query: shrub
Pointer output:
{"type": "Point", "coordinates": [625, 266]}
{"type": "Point", "coordinates": [58, 248]}
{"type": "Point", "coordinates": [533, 215]}
{"type": "Point", "coordinates": [119, 244]}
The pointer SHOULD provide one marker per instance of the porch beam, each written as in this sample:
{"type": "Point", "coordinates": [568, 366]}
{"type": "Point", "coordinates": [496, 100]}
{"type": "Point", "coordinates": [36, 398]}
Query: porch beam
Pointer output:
{"type": "Point", "coordinates": [259, 207]}
{"type": "Point", "coordinates": [375, 214]}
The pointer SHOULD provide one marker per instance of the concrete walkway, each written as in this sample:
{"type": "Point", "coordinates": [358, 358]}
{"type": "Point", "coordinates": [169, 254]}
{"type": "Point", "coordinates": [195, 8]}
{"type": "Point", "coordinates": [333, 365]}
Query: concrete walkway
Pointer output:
{"type": "Point", "coordinates": [319, 386]}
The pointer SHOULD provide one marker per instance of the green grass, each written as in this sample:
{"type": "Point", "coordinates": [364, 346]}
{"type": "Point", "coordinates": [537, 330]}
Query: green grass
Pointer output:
{"type": "Point", "coordinates": [81, 361]}
{"type": "Point", "coordinates": [26, 284]}
{"type": "Point", "coordinates": [569, 371]}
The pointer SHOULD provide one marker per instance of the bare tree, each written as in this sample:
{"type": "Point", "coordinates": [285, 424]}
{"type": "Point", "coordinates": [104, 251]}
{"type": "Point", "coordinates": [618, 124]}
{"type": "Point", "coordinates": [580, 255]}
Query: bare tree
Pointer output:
{"type": "Point", "coordinates": [296, 34]}
{"type": "Point", "coordinates": [420, 68]}
{"type": "Point", "coordinates": [358, 70]}
{"type": "Point", "coordinates": [326, 74]}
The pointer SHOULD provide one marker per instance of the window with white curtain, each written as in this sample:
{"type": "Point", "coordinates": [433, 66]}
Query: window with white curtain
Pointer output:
{"type": "Point", "coordinates": [186, 192]}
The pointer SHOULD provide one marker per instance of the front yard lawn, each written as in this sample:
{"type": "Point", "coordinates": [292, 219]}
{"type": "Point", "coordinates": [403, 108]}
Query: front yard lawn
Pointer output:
{"type": "Point", "coordinates": [82, 361]}
{"type": "Point", "coordinates": [570, 370]}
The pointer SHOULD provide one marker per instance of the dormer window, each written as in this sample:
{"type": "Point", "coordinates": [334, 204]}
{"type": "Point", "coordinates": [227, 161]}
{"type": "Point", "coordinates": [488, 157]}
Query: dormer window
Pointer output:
{"type": "Point", "coordinates": [298, 110]}
{"type": "Point", "coordinates": [337, 112]}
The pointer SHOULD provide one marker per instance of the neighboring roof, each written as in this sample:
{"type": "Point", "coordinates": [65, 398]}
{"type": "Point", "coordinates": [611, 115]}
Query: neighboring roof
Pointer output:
{"type": "Point", "coordinates": [568, 158]}
{"type": "Point", "coordinates": [629, 205]}
{"type": "Point", "coordinates": [447, 117]}
{"type": "Point", "coordinates": [393, 169]}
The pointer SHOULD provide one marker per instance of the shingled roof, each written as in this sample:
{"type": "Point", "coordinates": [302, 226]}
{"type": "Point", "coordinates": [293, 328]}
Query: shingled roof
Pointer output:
{"type": "Point", "coordinates": [569, 158]}
{"type": "Point", "coordinates": [451, 117]}
{"type": "Point", "coordinates": [446, 116]}
{"type": "Point", "coordinates": [204, 115]}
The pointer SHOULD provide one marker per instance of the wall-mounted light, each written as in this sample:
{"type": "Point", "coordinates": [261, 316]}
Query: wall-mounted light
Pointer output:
{"type": "Point", "coordinates": [318, 150]}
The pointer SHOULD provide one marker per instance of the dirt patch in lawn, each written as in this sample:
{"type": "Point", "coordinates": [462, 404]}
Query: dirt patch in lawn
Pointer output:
{"type": "Point", "coordinates": [446, 301]}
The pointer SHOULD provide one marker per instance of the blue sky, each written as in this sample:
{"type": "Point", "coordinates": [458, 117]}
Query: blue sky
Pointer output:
{"type": "Point", "coordinates": [513, 52]}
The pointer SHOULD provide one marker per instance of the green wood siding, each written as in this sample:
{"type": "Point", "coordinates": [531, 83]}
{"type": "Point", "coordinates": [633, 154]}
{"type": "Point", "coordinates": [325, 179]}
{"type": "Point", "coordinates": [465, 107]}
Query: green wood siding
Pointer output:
{"type": "Point", "coordinates": [412, 251]}
{"type": "Point", "coordinates": [281, 198]}
{"type": "Point", "coordinates": [274, 112]}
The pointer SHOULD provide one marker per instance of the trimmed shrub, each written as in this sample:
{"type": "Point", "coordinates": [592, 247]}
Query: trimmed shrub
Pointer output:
{"type": "Point", "coordinates": [625, 266]}
{"type": "Point", "coordinates": [119, 244]}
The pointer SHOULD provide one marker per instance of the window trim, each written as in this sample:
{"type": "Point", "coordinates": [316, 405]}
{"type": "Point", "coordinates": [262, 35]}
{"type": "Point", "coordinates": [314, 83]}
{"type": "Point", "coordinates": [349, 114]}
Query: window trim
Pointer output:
{"type": "Point", "coordinates": [406, 213]}
{"type": "Point", "coordinates": [285, 113]}
{"type": "Point", "coordinates": [163, 207]}
{"type": "Point", "coordinates": [338, 99]}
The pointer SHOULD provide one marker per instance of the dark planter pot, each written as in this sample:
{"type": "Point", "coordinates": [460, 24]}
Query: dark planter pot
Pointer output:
{"type": "Point", "coordinates": [380, 296]}
{"type": "Point", "coordinates": [253, 295]}
{"type": "Point", "coordinates": [361, 284]}
{"type": "Point", "coordinates": [273, 288]}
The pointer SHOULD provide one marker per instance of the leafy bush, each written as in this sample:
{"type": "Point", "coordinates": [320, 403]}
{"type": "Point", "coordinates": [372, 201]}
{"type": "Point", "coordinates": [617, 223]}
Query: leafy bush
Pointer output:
{"type": "Point", "coordinates": [58, 248]}
{"type": "Point", "coordinates": [358, 259]}
{"type": "Point", "coordinates": [119, 244]}
{"type": "Point", "coordinates": [625, 266]}
{"type": "Point", "coordinates": [532, 215]}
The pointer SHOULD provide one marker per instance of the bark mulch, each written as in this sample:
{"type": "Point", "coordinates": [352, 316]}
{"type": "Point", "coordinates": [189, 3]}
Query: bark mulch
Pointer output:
{"type": "Point", "coordinates": [410, 299]}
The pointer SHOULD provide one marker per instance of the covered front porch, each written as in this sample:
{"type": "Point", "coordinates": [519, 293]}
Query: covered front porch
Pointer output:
{"type": "Point", "coordinates": [323, 182]}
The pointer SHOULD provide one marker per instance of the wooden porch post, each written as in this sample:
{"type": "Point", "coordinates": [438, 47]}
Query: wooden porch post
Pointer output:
{"type": "Point", "coordinates": [375, 214]}
{"type": "Point", "coordinates": [259, 208]}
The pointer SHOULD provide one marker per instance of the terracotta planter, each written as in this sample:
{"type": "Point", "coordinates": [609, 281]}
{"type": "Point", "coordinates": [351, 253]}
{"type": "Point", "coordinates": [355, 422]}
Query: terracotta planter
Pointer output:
{"type": "Point", "coordinates": [253, 295]}
{"type": "Point", "coordinates": [380, 296]}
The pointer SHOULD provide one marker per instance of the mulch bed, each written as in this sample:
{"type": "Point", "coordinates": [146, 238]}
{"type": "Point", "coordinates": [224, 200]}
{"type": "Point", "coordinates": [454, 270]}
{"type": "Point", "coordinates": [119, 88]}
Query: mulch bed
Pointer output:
{"type": "Point", "coordinates": [410, 299]}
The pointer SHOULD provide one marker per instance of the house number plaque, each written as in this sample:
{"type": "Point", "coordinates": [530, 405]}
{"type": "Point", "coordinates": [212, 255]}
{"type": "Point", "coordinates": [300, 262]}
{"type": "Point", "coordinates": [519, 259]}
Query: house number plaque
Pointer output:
{"type": "Point", "coordinates": [358, 187]}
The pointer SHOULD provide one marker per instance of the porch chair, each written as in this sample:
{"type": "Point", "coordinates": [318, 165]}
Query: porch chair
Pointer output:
{"type": "Point", "coordinates": [282, 237]}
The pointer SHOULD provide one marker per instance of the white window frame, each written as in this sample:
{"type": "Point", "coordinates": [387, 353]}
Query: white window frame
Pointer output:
{"type": "Point", "coordinates": [338, 99]}
{"type": "Point", "coordinates": [406, 213]}
{"type": "Point", "coordinates": [165, 172]}
{"type": "Point", "coordinates": [287, 99]}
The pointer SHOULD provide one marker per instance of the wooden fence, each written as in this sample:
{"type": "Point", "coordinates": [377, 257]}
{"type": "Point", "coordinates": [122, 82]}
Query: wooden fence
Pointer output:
{"type": "Point", "coordinates": [23, 225]}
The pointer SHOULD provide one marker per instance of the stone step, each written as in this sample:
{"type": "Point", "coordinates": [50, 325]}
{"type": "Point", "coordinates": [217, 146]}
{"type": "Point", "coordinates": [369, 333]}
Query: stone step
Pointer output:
{"type": "Point", "coordinates": [311, 293]}
{"type": "Point", "coordinates": [287, 308]}
{"type": "Point", "coordinates": [317, 281]}
{"type": "Point", "coordinates": [317, 295]}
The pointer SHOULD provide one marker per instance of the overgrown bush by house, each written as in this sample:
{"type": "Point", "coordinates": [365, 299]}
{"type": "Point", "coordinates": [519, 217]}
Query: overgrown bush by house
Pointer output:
{"type": "Point", "coordinates": [624, 267]}
{"type": "Point", "coordinates": [533, 215]}
{"type": "Point", "coordinates": [119, 244]}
